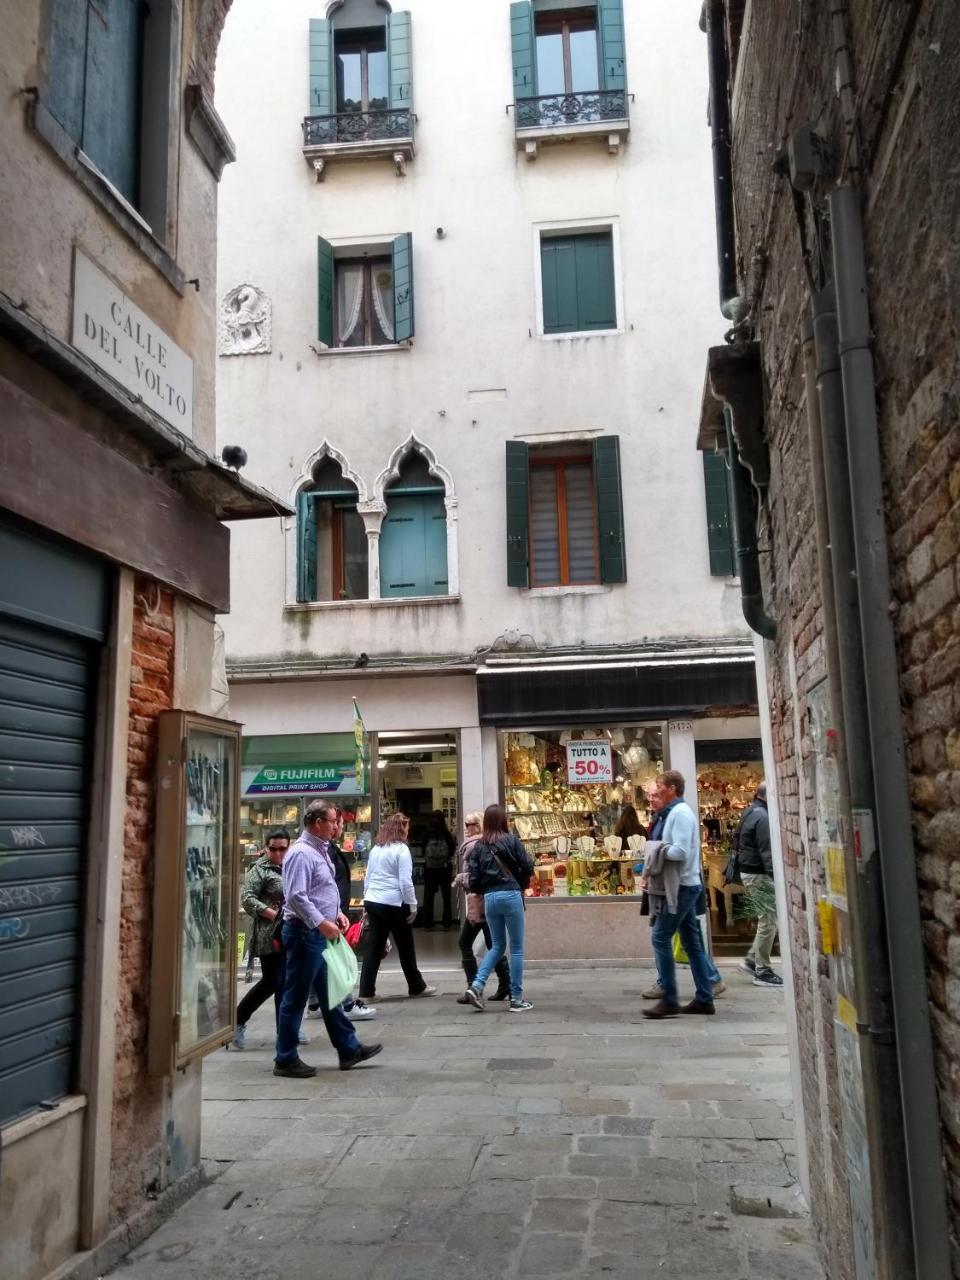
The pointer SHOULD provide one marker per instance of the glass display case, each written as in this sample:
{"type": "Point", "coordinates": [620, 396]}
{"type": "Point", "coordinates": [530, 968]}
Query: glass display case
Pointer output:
{"type": "Point", "coordinates": [193, 985]}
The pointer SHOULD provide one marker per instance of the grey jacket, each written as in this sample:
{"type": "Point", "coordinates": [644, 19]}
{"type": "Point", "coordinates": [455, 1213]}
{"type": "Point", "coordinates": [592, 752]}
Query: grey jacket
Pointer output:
{"type": "Point", "coordinates": [662, 875]}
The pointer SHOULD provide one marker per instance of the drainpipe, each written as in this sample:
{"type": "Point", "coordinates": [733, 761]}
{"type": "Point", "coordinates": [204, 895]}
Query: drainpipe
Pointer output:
{"type": "Point", "coordinates": [891, 838]}
{"type": "Point", "coordinates": [732, 305]}
{"type": "Point", "coordinates": [745, 532]}
{"type": "Point", "coordinates": [844, 648]}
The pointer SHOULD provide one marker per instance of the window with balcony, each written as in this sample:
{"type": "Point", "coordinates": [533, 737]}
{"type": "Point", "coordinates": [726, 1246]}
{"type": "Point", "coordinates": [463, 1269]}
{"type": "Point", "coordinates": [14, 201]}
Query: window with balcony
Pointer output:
{"type": "Point", "coordinates": [564, 514]}
{"type": "Point", "coordinates": [331, 538]}
{"type": "Point", "coordinates": [413, 537]}
{"type": "Point", "coordinates": [569, 71]}
{"type": "Point", "coordinates": [361, 85]}
{"type": "Point", "coordinates": [365, 299]}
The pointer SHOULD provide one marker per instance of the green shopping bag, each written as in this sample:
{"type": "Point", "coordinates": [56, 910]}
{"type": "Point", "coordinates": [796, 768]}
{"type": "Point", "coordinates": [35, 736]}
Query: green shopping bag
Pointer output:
{"type": "Point", "coordinates": [342, 970]}
{"type": "Point", "coordinates": [679, 954]}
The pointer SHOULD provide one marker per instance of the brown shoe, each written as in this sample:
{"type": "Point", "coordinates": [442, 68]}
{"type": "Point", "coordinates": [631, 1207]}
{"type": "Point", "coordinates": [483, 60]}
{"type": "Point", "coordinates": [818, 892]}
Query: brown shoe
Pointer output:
{"type": "Point", "coordinates": [698, 1006]}
{"type": "Point", "coordinates": [652, 993]}
{"type": "Point", "coordinates": [661, 1010]}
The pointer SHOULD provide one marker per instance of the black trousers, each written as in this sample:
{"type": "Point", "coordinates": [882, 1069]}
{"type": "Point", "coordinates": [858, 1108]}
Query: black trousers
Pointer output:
{"type": "Point", "coordinates": [270, 984]}
{"type": "Point", "coordinates": [468, 936]}
{"type": "Point", "coordinates": [435, 878]}
{"type": "Point", "coordinates": [386, 922]}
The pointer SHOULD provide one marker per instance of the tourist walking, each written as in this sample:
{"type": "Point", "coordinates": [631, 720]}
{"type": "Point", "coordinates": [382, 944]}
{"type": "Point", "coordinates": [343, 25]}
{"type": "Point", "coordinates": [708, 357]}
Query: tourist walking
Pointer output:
{"type": "Point", "coordinates": [262, 898]}
{"type": "Point", "coordinates": [755, 863]}
{"type": "Point", "coordinates": [500, 868]}
{"type": "Point", "coordinates": [355, 1010]}
{"type": "Point", "coordinates": [471, 929]}
{"type": "Point", "coordinates": [675, 827]}
{"type": "Point", "coordinates": [312, 921]}
{"type": "Point", "coordinates": [438, 851]}
{"type": "Point", "coordinates": [390, 903]}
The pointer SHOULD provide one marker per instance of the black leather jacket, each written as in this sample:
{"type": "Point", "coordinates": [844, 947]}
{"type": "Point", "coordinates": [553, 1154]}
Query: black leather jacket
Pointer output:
{"type": "Point", "coordinates": [753, 841]}
{"type": "Point", "coordinates": [341, 873]}
{"type": "Point", "coordinates": [484, 873]}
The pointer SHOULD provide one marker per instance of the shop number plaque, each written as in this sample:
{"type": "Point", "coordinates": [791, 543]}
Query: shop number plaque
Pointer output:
{"type": "Point", "coordinates": [589, 760]}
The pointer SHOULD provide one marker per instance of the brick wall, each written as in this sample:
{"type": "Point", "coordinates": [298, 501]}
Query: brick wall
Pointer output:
{"type": "Point", "coordinates": [907, 65]}
{"type": "Point", "coordinates": [138, 1097]}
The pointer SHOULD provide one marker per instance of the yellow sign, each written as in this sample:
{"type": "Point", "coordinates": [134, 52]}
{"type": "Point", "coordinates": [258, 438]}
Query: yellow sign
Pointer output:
{"type": "Point", "coordinates": [846, 1013]}
{"type": "Point", "coordinates": [836, 876]}
{"type": "Point", "coordinates": [828, 926]}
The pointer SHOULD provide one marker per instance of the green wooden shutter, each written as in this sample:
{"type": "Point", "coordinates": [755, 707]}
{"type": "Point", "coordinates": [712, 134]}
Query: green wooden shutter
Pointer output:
{"type": "Point", "coordinates": [325, 291]}
{"type": "Point", "coordinates": [67, 60]}
{"type": "Point", "coordinates": [613, 57]}
{"type": "Point", "coordinates": [434, 547]}
{"type": "Point", "coordinates": [578, 285]}
{"type": "Point", "coordinates": [403, 327]}
{"type": "Point", "coordinates": [322, 79]}
{"type": "Point", "coordinates": [524, 50]}
{"type": "Point", "coordinates": [306, 547]}
{"type": "Point", "coordinates": [400, 53]}
{"type": "Point", "coordinates": [606, 478]}
{"type": "Point", "coordinates": [716, 486]}
{"type": "Point", "coordinates": [518, 518]}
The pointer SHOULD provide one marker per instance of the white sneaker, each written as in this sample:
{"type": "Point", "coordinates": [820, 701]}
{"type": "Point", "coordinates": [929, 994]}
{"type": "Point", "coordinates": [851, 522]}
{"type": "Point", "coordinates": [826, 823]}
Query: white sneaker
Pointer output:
{"type": "Point", "coordinates": [239, 1040]}
{"type": "Point", "coordinates": [304, 1038]}
{"type": "Point", "coordinates": [361, 1012]}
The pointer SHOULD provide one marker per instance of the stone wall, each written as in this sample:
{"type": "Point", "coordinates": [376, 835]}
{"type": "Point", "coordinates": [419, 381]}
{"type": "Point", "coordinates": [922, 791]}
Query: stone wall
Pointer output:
{"type": "Point", "coordinates": [907, 68]}
{"type": "Point", "coordinates": [138, 1161]}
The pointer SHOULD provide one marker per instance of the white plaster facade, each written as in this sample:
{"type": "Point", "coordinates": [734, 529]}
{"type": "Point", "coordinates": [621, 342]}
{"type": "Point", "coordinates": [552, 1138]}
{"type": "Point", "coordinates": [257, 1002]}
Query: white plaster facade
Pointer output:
{"type": "Point", "coordinates": [479, 371]}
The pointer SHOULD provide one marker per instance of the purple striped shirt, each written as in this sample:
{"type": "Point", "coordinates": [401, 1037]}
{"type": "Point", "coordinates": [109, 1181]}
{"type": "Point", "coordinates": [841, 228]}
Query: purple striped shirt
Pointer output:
{"type": "Point", "coordinates": [310, 889]}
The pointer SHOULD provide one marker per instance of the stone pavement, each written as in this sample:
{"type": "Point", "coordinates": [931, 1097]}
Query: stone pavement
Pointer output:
{"type": "Point", "coordinates": [576, 1140]}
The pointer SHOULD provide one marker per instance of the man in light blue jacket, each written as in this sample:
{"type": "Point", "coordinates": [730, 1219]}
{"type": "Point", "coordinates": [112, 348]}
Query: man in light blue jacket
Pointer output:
{"type": "Point", "coordinates": [676, 825]}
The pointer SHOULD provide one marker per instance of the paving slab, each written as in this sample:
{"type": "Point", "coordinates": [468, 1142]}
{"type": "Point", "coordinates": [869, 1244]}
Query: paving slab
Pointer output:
{"type": "Point", "coordinates": [504, 1148]}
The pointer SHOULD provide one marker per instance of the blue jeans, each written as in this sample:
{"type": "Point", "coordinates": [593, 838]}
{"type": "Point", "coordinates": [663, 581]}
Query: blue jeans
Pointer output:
{"type": "Point", "coordinates": [504, 912]}
{"type": "Point", "coordinates": [683, 921]}
{"type": "Point", "coordinates": [305, 971]}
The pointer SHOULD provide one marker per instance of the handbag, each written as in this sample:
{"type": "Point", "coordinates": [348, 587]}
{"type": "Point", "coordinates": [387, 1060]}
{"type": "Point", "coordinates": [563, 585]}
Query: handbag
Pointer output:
{"type": "Point", "coordinates": [353, 934]}
{"type": "Point", "coordinates": [475, 911]}
{"type": "Point", "coordinates": [731, 872]}
{"type": "Point", "coordinates": [679, 954]}
{"type": "Point", "coordinates": [342, 970]}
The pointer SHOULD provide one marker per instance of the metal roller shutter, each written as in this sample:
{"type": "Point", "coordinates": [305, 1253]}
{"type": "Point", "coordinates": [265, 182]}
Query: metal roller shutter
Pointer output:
{"type": "Point", "coordinates": [46, 688]}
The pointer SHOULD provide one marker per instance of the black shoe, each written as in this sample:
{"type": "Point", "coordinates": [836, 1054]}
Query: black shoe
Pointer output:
{"type": "Point", "coordinates": [699, 1006]}
{"type": "Point", "coordinates": [464, 999]}
{"type": "Point", "coordinates": [296, 1070]}
{"type": "Point", "coordinates": [661, 1010]}
{"type": "Point", "coordinates": [363, 1053]}
{"type": "Point", "coordinates": [501, 993]}
{"type": "Point", "coordinates": [314, 1006]}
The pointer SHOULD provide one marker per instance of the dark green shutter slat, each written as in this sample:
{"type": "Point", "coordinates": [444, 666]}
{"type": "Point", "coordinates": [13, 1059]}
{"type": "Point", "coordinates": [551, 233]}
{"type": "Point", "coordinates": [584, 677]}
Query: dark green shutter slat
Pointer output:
{"type": "Point", "coordinates": [518, 520]}
{"type": "Point", "coordinates": [579, 293]}
{"type": "Point", "coordinates": [111, 104]}
{"type": "Point", "coordinates": [66, 61]}
{"type": "Point", "coordinates": [403, 288]}
{"type": "Point", "coordinates": [321, 68]}
{"type": "Point", "coordinates": [400, 51]}
{"type": "Point", "coordinates": [523, 49]}
{"type": "Point", "coordinates": [613, 70]}
{"type": "Point", "coordinates": [306, 547]}
{"type": "Point", "coordinates": [606, 476]}
{"type": "Point", "coordinates": [719, 528]}
{"type": "Point", "coordinates": [325, 291]}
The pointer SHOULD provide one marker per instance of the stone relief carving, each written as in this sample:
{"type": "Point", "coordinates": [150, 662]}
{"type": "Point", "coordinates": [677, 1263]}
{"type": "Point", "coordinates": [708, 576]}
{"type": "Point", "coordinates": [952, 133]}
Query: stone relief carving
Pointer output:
{"type": "Point", "coordinates": [246, 316]}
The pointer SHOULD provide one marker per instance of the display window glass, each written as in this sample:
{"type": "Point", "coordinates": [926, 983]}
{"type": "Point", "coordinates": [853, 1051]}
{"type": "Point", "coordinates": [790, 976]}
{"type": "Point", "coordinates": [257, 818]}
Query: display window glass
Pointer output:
{"type": "Point", "coordinates": [579, 801]}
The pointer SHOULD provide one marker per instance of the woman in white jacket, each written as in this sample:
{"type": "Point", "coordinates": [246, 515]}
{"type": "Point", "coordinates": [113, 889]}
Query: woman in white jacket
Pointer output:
{"type": "Point", "coordinates": [390, 903]}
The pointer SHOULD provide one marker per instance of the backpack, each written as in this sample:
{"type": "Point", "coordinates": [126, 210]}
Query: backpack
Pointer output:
{"type": "Point", "coordinates": [436, 853]}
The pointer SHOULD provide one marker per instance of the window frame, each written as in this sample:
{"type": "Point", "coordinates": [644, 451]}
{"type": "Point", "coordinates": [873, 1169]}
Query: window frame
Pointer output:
{"type": "Point", "coordinates": [560, 465]}
{"type": "Point", "coordinates": [360, 41]}
{"type": "Point", "coordinates": [574, 226]}
{"type": "Point", "coordinates": [338, 502]}
{"type": "Point", "coordinates": [548, 22]}
{"type": "Point", "coordinates": [367, 264]}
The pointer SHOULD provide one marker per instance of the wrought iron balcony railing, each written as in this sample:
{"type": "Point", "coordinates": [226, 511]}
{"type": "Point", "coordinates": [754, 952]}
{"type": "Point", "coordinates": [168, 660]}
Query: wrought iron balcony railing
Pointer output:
{"type": "Point", "coordinates": [559, 109]}
{"type": "Point", "coordinates": [358, 127]}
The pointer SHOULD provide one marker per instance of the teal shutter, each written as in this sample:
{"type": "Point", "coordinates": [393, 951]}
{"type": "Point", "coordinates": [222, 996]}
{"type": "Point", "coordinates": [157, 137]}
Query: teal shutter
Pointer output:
{"type": "Point", "coordinates": [306, 547]}
{"type": "Point", "coordinates": [66, 60]}
{"type": "Point", "coordinates": [606, 478]}
{"type": "Point", "coordinates": [518, 517]}
{"type": "Point", "coordinates": [434, 547]}
{"type": "Point", "coordinates": [578, 285]}
{"type": "Point", "coordinates": [400, 54]}
{"type": "Point", "coordinates": [613, 56]}
{"type": "Point", "coordinates": [523, 49]}
{"type": "Point", "coordinates": [325, 291]}
{"type": "Point", "coordinates": [413, 546]}
{"type": "Point", "coordinates": [111, 102]}
{"type": "Point", "coordinates": [403, 328]}
{"type": "Point", "coordinates": [716, 486]}
{"type": "Point", "coordinates": [322, 80]}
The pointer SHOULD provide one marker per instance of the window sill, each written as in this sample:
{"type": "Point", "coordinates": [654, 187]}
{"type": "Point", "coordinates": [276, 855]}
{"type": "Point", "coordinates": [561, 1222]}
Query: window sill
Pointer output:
{"type": "Point", "coordinates": [397, 150]}
{"type": "Point", "coordinates": [362, 351]}
{"type": "Point", "coordinates": [588, 589]}
{"type": "Point", "coordinates": [387, 602]}
{"type": "Point", "coordinates": [101, 190]}
{"type": "Point", "coordinates": [529, 140]}
{"type": "Point", "coordinates": [581, 333]}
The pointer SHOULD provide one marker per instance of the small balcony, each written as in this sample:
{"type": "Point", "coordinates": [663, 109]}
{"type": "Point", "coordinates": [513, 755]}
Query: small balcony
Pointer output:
{"type": "Point", "coordinates": [359, 135]}
{"type": "Point", "coordinates": [566, 117]}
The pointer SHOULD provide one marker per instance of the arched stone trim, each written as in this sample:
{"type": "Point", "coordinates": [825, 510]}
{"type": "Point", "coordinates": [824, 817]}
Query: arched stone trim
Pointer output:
{"type": "Point", "coordinates": [392, 470]}
{"type": "Point", "coordinates": [334, 5]}
{"type": "Point", "coordinates": [327, 450]}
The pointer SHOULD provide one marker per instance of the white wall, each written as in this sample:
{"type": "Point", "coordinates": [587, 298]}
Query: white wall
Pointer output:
{"type": "Point", "coordinates": [326, 706]}
{"type": "Point", "coordinates": [475, 313]}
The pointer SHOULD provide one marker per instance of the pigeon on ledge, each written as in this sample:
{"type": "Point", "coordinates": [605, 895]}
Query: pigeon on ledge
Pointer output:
{"type": "Point", "coordinates": [234, 456]}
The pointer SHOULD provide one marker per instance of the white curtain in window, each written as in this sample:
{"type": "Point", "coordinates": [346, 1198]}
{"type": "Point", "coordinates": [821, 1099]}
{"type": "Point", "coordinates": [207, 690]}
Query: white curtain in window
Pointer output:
{"type": "Point", "coordinates": [383, 300]}
{"type": "Point", "coordinates": [349, 299]}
